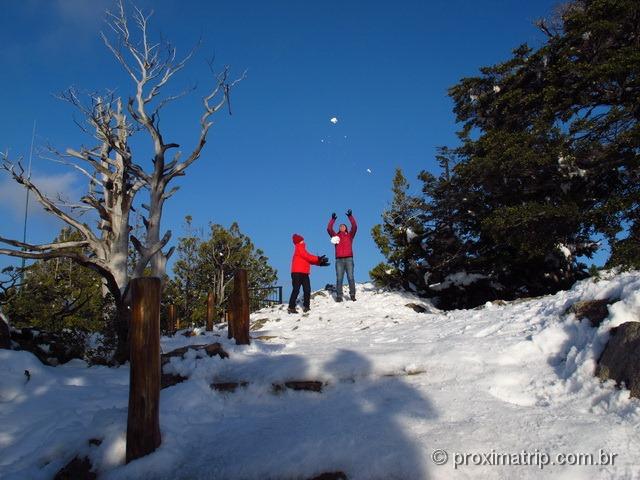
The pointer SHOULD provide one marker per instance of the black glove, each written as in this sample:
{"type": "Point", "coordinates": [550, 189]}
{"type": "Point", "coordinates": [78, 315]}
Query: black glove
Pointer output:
{"type": "Point", "coordinates": [349, 213]}
{"type": "Point", "coordinates": [323, 261]}
{"type": "Point", "coordinates": [334, 216]}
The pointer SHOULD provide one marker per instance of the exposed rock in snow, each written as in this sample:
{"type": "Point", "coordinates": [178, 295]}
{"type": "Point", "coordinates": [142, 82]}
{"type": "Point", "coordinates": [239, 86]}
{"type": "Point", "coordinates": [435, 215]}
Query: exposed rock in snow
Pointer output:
{"type": "Point", "coordinates": [620, 360]}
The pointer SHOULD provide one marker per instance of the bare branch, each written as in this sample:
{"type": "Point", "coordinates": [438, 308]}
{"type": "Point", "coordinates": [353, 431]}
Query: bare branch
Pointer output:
{"type": "Point", "coordinates": [47, 203]}
{"type": "Point", "coordinates": [45, 247]}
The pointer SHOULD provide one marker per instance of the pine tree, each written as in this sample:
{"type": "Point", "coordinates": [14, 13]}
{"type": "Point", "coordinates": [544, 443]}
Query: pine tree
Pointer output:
{"type": "Point", "coordinates": [57, 294]}
{"type": "Point", "coordinates": [208, 265]}
{"type": "Point", "coordinates": [399, 240]}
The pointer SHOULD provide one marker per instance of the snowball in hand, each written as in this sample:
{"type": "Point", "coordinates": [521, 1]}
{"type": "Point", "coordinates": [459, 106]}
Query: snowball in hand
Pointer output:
{"type": "Point", "coordinates": [335, 240]}
{"type": "Point", "coordinates": [334, 120]}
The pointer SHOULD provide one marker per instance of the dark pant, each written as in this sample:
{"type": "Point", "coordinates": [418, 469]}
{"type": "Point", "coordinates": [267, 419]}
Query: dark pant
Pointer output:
{"type": "Point", "coordinates": [345, 265]}
{"type": "Point", "coordinates": [300, 280]}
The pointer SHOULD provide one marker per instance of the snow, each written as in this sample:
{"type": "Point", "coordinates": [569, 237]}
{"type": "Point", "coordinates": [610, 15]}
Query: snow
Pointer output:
{"type": "Point", "coordinates": [496, 89]}
{"type": "Point", "coordinates": [458, 279]}
{"type": "Point", "coordinates": [565, 251]}
{"type": "Point", "coordinates": [410, 234]}
{"type": "Point", "coordinates": [334, 120]}
{"type": "Point", "coordinates": [335, 240]}
{"type": "Point", "coordinates": [368, 170]}
{"type": "Point", "coordinates": [399, 385]}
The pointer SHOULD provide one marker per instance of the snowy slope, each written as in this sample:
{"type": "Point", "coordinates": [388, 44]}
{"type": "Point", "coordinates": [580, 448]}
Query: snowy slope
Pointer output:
{"type": "Point", "coordinates": [501, 379]}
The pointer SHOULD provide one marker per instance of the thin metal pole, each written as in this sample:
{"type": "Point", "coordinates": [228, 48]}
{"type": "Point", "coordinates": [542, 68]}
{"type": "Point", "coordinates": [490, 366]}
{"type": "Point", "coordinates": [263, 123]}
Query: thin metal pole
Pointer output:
{"type": "Point", "coordinates": [26, 203]}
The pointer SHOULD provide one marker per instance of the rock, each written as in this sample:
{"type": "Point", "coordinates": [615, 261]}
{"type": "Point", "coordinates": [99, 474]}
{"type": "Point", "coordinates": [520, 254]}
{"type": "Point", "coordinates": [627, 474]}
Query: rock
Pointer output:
{"type": "Point", "coordinates": [170, 379]}
{"type": "Point", "coordinates": [227, 386]}
{"type": "Point", "coordinates": [620, 359]}
{"type": "Point", "coordinates": [330, 287]}
{"type": "Point", "coordinates": [76, 469]}
{"type": "Point", "coordinates": [258, 324]}
{"type": "Point", "coordinates": [191, 333]}
{"type": "Point", "coordinates": [331, 476]}
{"type": "Point", "coordinates": [593, 310]}
{"type": "Point", "coordinates": [317, 294]}
{"type": "Point", "coordinates": [210, 349]}
{"type": "Point", "coordinates": [416, 308]}
{"type": "Point", "coordinates": [265, 338]}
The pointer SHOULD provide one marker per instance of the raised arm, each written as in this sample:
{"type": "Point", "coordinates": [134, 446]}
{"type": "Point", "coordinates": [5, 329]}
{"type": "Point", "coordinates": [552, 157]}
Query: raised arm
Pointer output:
{"type": "Point", "coordinates": [332, 222]}
{"type": "Point", "coordinates": [354, 226]}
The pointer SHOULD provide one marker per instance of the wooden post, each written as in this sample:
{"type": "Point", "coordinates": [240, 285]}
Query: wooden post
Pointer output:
{"type": "Point", "coordinates": [240, 309]}
{"type": "Point", "coordinates": [172, 313]}
{"type": "Point", "coordinates": [143, 420]}
{"type": "Point", "coordinates": [229, 315]}
{"type": "Point", "coordinates": [5, 333]}
{"type": "Point", "coordinates": [211, 310]}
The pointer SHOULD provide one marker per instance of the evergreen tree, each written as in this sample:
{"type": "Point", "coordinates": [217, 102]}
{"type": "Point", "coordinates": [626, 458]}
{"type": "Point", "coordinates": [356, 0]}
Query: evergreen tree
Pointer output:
{"type": "Point", "coordinates": [208, 265]}
{"type": "Point", "coordinates": [399, 239]}
{"type": "Point", "coordinates": [57, 294]}
{"type": "Point", "coordinates": [559, 128]}
{"type": "Point", "coordinates": [549, 161]}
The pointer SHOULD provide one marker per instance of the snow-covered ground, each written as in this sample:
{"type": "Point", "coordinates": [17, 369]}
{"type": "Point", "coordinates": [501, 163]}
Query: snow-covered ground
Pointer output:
{"type": "Point", "coordinates": [514, 379]}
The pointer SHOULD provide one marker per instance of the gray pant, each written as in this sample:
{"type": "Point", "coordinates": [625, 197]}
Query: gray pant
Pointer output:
{"type": "Point", "coordinates": [345, 265]}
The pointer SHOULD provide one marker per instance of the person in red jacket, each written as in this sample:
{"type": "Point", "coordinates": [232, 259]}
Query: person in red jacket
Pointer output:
{"type": "Point", "coordinates": [343, 241]}
{"type": "Point", "coordinates": [300, 269]}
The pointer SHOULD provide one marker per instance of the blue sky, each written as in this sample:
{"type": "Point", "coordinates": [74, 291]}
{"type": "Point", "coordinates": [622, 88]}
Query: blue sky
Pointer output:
{"type": "Point", "coordinates": [277, 165]}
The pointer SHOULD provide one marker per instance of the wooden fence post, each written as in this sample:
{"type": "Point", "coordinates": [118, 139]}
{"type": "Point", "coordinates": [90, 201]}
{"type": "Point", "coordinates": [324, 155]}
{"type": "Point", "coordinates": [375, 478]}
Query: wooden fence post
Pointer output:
{"type": "Point", "coordinates": [143, 419]}
{"type": "Point", "coordinates": [240, 308]}
{"type": "Point", "coordinates": [211, 310]}
{"type": "Point", "coordinates": [229, 315]}
{"type": "Point", "coordinates": [172, 314]}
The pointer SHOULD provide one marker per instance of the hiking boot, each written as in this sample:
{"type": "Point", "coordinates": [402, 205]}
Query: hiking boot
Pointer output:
{"type": "Point", "coordinates": [292, 310]}
{"type": "Point", "coordinates": [338, 299]}
{"type": "Point", "coordinates": [353, 298]}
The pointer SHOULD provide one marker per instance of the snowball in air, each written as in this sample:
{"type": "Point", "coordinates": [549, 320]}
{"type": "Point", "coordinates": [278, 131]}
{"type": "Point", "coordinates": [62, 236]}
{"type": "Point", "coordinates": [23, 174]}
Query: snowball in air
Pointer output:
{"type": "Point", "coordinates": [368, 170]}
{"type": "Point", "coordinates": [334, 120]}
{"type": "Point", "coordinates": [335, 240]}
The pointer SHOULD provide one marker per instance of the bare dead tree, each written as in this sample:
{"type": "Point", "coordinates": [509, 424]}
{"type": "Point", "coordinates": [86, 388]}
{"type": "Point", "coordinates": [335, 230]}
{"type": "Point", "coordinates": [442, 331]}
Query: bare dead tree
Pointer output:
{"type": "Point", "coordinates": [113, 177]}
{"type": "Point", "coordinates": [151, 66]}
{"type": "Point", "coordinates": [112, 183]}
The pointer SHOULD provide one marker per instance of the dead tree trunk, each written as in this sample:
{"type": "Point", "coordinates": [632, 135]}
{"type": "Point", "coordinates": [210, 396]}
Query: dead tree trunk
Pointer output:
{"type": "Point", "coordinates": [240, 309]}
{"type": "Point", "coordinates": [143, 422]}
{"type": "Point", "coordinates": [211, 310]}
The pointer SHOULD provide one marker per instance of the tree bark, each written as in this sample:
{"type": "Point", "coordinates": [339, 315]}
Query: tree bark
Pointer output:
{"type": "Point", "coordinates": [240, 309]}
{"type": "Point", "coordinates": [172, 316]}
{"type": "Point", "coordinates": [211, 310]}
{"type": "Point", "coordinates": [143, 422]}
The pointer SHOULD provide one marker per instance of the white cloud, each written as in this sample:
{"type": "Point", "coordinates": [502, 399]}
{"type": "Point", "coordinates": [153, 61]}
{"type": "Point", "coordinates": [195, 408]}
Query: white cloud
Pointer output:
{"type": "Point", "coordinates": [12, 195]}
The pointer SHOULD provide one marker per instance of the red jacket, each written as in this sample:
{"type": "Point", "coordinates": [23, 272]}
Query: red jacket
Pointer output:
{"type": "Point", "coordinates": [343, 249]}
{"type": "Point", "coordinates": [302, 260]}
